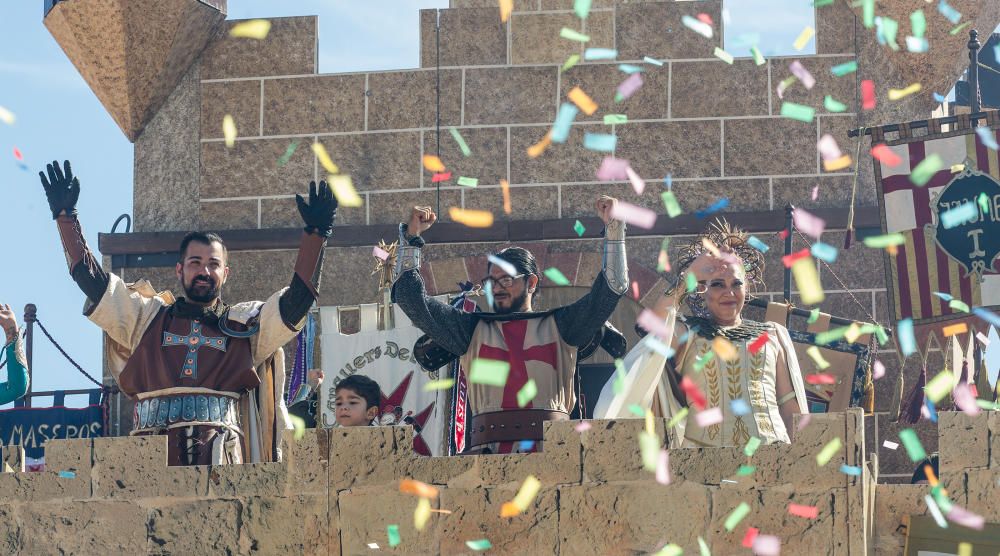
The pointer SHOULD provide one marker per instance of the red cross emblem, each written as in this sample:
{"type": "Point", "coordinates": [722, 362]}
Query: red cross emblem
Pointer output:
{"type": "Point", "coordinates": [514, 332]}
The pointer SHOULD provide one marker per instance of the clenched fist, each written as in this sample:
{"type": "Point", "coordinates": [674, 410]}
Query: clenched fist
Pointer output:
{"type": "Point", "coordinates": [421, 219]}
{"type": "Point", "coordinates": [605, 205]}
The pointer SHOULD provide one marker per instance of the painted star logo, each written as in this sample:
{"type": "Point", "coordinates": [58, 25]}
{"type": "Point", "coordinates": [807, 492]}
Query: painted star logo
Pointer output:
{"type": "Point", "coordinates": [392, 413]}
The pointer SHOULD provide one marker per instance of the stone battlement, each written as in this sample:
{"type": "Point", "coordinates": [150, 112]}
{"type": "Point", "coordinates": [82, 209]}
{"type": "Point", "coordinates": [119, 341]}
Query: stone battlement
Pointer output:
{"type": "Point", "coordinates": [337, 490]}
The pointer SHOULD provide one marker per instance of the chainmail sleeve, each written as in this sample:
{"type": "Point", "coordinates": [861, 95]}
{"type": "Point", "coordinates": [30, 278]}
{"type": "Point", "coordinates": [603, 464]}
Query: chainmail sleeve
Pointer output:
{"type": "Point", "coordinates": [449, 326]}
{"type": "Point", "coordinates": [579, 321]}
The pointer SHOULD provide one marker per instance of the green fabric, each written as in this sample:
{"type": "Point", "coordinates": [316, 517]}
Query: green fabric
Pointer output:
{"type": "Point", "coordinates": [17, 376]}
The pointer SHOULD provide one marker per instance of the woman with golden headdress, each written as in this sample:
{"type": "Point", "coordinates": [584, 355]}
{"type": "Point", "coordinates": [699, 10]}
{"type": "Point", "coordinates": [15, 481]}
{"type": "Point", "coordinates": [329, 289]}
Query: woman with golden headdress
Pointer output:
{"type": "Point", "coordinates": [713, 357]}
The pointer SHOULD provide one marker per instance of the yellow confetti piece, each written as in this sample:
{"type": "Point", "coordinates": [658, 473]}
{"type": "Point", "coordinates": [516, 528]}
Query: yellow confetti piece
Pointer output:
{"type": "Point", "coordinates": [299, 425]}
{"type": "Point", "coordinates": [343, 189]}
{"type": "Point", "coordinates": [491, 372]}
{"type": "Point", "coordinates": [837, 164]}
{"type": "Point", "coordinates": [527, 393]}
{"type": "Point", "coordinates": [6, 116]}
{"type": "Point", "coordinates": [505, 190]}
{"type": "Point", "coordinates": [527, 493]}
{"type": "Point", "coordinates": [433, 163]}
{"type": "Point", "coordinates": [807, 280]}
{"type": "Point", "coordinates": [443, 384]}
{"type": "Point", "coordinates": [964, 549]}
{"type": "Point", "coordinates": [724, 349]}
{"type": "Point", "coordinates": [826, 454]}
{"type": "Point", "coordinates": [852, 333]}
{"type": "Point", "coordinates": [538, 148]}
{"type": "Point", "coordinates": [817, 357]}
{"type": "Point", "coordinates": [417, 488]}
{"type": "Point", "coordinates": [939, 386]}
{"type": "Point", "coordinates": [960, 328]}
{"type": "Point", "coordinates": [229, 130]}
{"type": "Point", "coordinates": [422, 514]}
{"type": "Point", "coordinates": [650, 424]}
{"type": "Point", "coordinates": [471, 218]}
{"type": "Point", "coordinates": [723, 55]}
{"type": "Point", "coordinates": [582, 100]}
{"type": "Point", "coordinates": [681, 415]}
{"type": "Point", "coordinates": [324, 158]}
{"type": "Point", "coordinates": [506, 7]}
{"type": "Point", "coordinates": [253, 29]}
{"type": "Point", "coordinates": [804, 37]}
{"type": "Point", "coordinates": [896, 94]}
{"type": "Point", "coordinates": [649, 449]}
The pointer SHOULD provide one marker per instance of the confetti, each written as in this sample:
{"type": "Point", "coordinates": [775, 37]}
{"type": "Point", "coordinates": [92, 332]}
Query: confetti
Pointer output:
{"type": "Point", "coordinates": [373, 546]}
{"type": "Point", "coordinates": [850, 470]}
{"type": "Point", "coordinates": [229, 130]}
{"type": "Point", "coordinates": [572, 35]}
{"type": "Point", "coordinates": [803, 75]}
{"type": "Point", "coordinates": [890, 445]}
{"type": "Point", "coordinates": [885, 155]}
{"type": "Point", "coordinates": [505, 191]}
{"type": "Point", "coordinates": [638, 184]}
{"type": "Point", "coordinates": [479, 545]}
{"type": "Point", "coordinates": [653, 61]}
{"type": "Point", "coordinates": [601, 142]}
{"type": "Point", "coordinates": [393, 533]}
{"type": "Point", "coordinates": [343, 189]}
{"type": "Point", "coordinates": [926, 170]}
{"type": "Point", "coordinates": [758, 57]}
{"type": "Point", "coordinates": [637, 216]}
{"type": "Point", "coordinates": [288, 153]}
{"type": "Point", "coordinates": [737, 515]}
{"type": "Point", "coordinates": [798, 112]}
{"type": "Point", "coordinates": [949, 13]}
{"type": "Point", "coordinates": [708, 417]}
{"type": "Point", "coordinates": [713, 208]}
{"type": "Point", "coordinates": [878, 370]}
{"type": "Point", "coordinates": [868, 13]}
{"type": "Point", "coordinates": [628, 87]}
{"type": "Point", "coordinates": [506, 8]}
{"type": "Point", "coordinates": [784, 85]}
{"type": "Point", "coordinates": [914, 448]}
{"type": "Point", "coordinates": [581, 8]}
{"type": "Point", "coordinates": [422, 514]}
{"type": "Point", "coordinates": [896, 94]}
{"type": "Point", "coordinates": [433, 163]}
{"type": "Point", "coordinates": [582, 100]}
{"type": "Point", "coordinates": [612, 119]}
{"type": "Point", "coordinates": [824, 252]}
{"type": "Point", "coordinates": [560, 129]}
{"type": "Point", "coordinates": [821, 364]}
{"type": "Point", "coordinates": [525, 446]}
{"type": "Point", "coordinates": [987, 137]}
{"type": "Point", "coordinates": [440, 177]}
{"type": "Point", "coordinates": [630, 69]}
{"type": "Point", "coordinates": [663, 468]}
{"type": "Point", "coordinates": [699, 27]}
{"type": "Point", "coordinates": [72, 475]}
{"type": "Point", "coordinates": [939, 386]}
{"type": "Point", "coordinates": [751, 447]}
{"type": "Point", "coordinates": [441, 384]}
{"type": "Point", "coordinates": [527, 493]}
{"type": "Point", "coordinates": [838, 164]}
{"type": "Point", "coordinates": [798, 510]}
{"type": "Point", "coordinates": [471, 218]}
{"type": "Point", "coordinates": [253, 29]}
{"type": "Point", "coordinates": [964, 549]}
{"type": "Point", "coordinates": [935, 511]}
{"type": "Point", "coordinates": [579, 229]}
{"type": "Point", "coordinates": [750, 537]}
{"type": "Point", "coordinates": [324, 158]}
{"type": "Point", "coordinates": [758, 244]}
{"type": "Point", "coordinates": [538, 148]}
{"type": "Point", "coordinates": [883, 241]}
{"type": "Point", "coordinates": [965, 518]}
{"type": "Point", "coordinates": [723, 55]}
{"type": "Point", "coordinates": [663, 259]}
{"type": "Point", "coordinates": [672, 549]}
{"type": "Point", "coordinates": [649, 450]}
{"type": "Point", "coordinates": [462, 145]}
{"type": "Point", "coordinates": [670, 203]}
{"type": "Point", "coordinates": [886, 31]}
{"type": "Point", "coordinates": [965, 399]}
{"type": "Point", "coordinates": [966, 212]}
{"type": "Point", "coordinates": [681, 415]}
{"type": "Point", "coordinates": [556, 277]}
{"type": "Point", "coordinates": [693, 393]}
{"type": "Point", "coordinates": [380, 253]}
{"type": "Point", "coordinates": [573, 60]}
{"type": "Point", "coordinates": [468, 182]}
{"type": "Point", "coordinates": [18, 155]}
{"type": "Point", "coordinates": [804, 38]}
{"type": "Point", "coordinates": [417, 488]}
{"type": "Point", "coordinates": [582, 426]}
{"type": "Point", "coordinates": [803, 421]}
{"type": "Point", "coordinates": [868, 101]}
{"type": "Point", "coordinates": [917, 44]}
{"type": "Point", "coordinates": [600, 54]}
{"type": "Point", "coordinates": [613, 169]}
{"type": "Point", "coordinates": [841, 70]}
{"type": "Point", "coordinates": [491, 372]}
{"type": "Point", "coordinates": [833, 105]}
{"type": "Point", "coordinates": [826, 454]}
{"type": "Point", "coordinates": [767, 545]}
{"type": "Point", "coordinates": [6, 116]}
{"type": "Point", "coordinates": [527, 393]}
{"type": "Point", "coordinates": [808, 223]}
{"type": "Point", "coordinates": [807, 280]}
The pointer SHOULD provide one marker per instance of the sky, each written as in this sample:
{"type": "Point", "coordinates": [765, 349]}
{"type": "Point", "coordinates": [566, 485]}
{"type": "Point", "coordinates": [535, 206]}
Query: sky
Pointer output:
{"type": "Point", "coordinates": [58, 117]}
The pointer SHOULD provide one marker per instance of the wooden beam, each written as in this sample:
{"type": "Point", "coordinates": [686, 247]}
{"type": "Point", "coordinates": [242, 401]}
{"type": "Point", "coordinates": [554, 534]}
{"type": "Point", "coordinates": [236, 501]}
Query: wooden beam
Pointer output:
{"type": "Point", "coordinates": [139, 243]}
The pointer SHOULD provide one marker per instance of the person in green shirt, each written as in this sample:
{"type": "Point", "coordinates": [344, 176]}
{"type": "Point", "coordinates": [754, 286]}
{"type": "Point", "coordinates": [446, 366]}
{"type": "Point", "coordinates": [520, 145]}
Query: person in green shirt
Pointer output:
{"type": "Point", "coordinates": [17, 369]}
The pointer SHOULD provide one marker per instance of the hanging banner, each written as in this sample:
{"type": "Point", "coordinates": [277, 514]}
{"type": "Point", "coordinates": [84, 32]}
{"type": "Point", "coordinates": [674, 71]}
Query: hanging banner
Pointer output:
{"type": "Point", "coordinates": [941, 192]}
{"type": "Point", "coordinates": [385, 356]}
{"type": "Point", "coordinates": [32, 427]}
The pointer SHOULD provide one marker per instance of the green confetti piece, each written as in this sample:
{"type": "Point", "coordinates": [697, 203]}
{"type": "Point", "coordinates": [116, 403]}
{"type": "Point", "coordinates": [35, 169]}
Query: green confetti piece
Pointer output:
{"type": "Point", "coordinates": [723, 55]}
{"type": "Point", "coordinates": [959, 29]}
{"type": "Point", "coordinates": [737, 515]}
{"type": "Point", "coordinates": [572, 35]}
{"type": "Point", "coordinates": [468, 182]}
{"type": "Point", "coordinates": [821, 3]}
{"type": "Point", "coordinates": [813, 316]}
{"type": "Point", "coordinates": [824, 338]}
{"type": "Point", "coordinates": [649, 449]}
{"type": "Point", "coordinates": [619, 384]}
{"type": "Point", "coordinates": [578, 228]}
{"type": "Point", "coordinates": [914, 448]}
{"type": "Point", "coordinates": [881, 335]}
{"type": "Point", "coordinates": [883, 241]}
{"type": "Point", "coordinates": [636, 409]}
{"type": "Point", "coordinates": [918, 24]}
{"type": "Point", "coordinates": [703, 360]}
{"type": "Point", "coordinates": [751, 448]}
{"type": "Point", "coordinates": [941, 498]}
{"type": "Point", "coordinates": [479, 544]}
{"type": "Point", "coordinates": [841, 70]}
{"type": "Point", "coordinates": [703, 548]}
{"type": "Point", "coordinates": [556, 277]}
{"type": "Point", "coordinates": [527, 393]}
{"type": "Point", "coordinates": [984, 202]}
{"type": "Point", "coordinates": [299, 425]}
{"type": "Point", "coordinates": [798, 112]}
{"type": "Point", "coordinates": [939, 386]}
{"type": "Point", "coordinates": [393, 532]}
{"type": "Point", "coordinates": [833, 105]}
{"type": "Point", "coordinates": [670, 203]}
{"type": "Point", "coordinates": [288, 153]}
{"type": "Point", "coordinates": [672, 549]}
{"type": "Point", "coordinates": [610, 119]}
{"type": "Point", "coordinates": [581, 8]}
{"type": "Point", "coordinates": [926, 170]}
{"type": "Point", "coordinates": [491, 372]}
{"type": "Point", "coordinates": [826, 454]}
{"type": "Point", "coordinates": [681, 415]}
{"type": "Point", "coordinates": [691, 282]}
{"type": "Point", "coordinates": [745, 470]}
{"type": "Point", "coordinates": [889, 30]}
{"type": "Point", "coordinates": [758, 57]}
{"type": "Point", "coordinates": [466, 151]}
{"type": "Point", "coordinates": [573, 60]}
{"type": "Point", "coordinates": [442, 384]}
{"type": "Point", "coordinates": [868, 13]}
{"type": "Point", "coordinates": [958, 305]}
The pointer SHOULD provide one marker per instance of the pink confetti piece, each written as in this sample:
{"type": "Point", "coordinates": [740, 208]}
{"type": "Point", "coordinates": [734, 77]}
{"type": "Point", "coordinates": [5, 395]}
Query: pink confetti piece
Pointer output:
{"type": "Point", "coordinates": [821, 378]}
{"type": "Point", "coordinates": [18, 155]}
{"type": "Point", "coordinates": [637, 216]}
{"type": "Point", "coordinates": [815, 192]}
{"type": "Point", "coordinates": [638, 184]}
{"type": "Point", "coordinates": [380, 253]}
{"type": "Point", "coordinates": [965, 399]}
{"type": "Point", "coordinates": [868, 95]}
{"type": "Point", "coordinates": [982, 339]}
{"type": "Point", "coordinates": [885, 155]}
{"type": "Point", "coordinates": [965, 518]}
{"type": "Point", "coordinates": [750, 537]}
{"type": "Point", "coordinates": [808, 224]}
{"type": "Point", "coordinates": [799, 71]}
{"type": "Point", "coordinates": [767, 545]}
{"type": "Point", "coordinates": [653, 324]}
{"type": "Point", "coordinates": [628, 87]}
{"type": "Point", "coordinates": [828, 148]}
{"type": "Point", "coordinates": [878, 370]}
{"type": "Point", "coordinates": [798, 510]}
{"type": "Point", "coordinates": [708, 417]}
{"type": "Point", "coordinates": [635, 290]}
{"type": "Point", "coordinates": [803, 422]}
{"type": "Point", "coordinates": [613, 169]}
{"type": "Point", "coordinates": [663, 468]}
{"type": "Point", "coordinates": [582, 426]}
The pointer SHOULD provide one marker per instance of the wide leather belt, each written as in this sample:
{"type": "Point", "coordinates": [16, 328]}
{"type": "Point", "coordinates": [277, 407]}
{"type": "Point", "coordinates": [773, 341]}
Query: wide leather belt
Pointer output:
{"type": "Point", "coordinates": [163, 412]}
{"type": "Point", "coordinates": [511, 426]}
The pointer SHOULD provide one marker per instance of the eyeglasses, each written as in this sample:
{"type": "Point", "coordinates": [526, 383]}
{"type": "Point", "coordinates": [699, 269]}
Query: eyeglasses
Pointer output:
{"type": "Point", "coordinates": [505, 282]}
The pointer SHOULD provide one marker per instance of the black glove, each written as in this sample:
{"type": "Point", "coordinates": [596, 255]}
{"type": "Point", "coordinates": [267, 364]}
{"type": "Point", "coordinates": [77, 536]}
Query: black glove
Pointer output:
{"type": "Point", "coordinates": [321, 210]}
{"type": "Point", "coordinates": [62, 190]}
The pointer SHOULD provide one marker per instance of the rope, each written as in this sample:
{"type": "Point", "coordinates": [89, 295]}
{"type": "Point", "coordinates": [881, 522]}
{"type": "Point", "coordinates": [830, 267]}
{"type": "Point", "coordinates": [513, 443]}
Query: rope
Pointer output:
{"type": "Point", "coordinates": [66, 355]}
{"type": "Point", "coordinates": [839, 281]}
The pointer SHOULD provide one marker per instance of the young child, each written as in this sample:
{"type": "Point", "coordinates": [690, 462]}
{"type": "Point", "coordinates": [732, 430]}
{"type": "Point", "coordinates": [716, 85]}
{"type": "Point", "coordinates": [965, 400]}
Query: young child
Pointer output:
{"type": "Point", "coordinates": [357, 401]}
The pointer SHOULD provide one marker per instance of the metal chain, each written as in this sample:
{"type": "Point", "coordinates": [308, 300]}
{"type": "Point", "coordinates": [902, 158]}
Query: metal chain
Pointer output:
{"type": "Point", "coordinates": [839, 281]}
{"type": "Point", "coordinates": [66, 355]}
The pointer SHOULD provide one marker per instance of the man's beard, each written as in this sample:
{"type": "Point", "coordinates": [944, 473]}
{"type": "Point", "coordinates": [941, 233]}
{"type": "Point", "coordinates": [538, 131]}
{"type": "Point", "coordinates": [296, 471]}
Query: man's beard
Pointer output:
{"type": "Point", "coordinates": [205, 295]}
{"type": "Point", "coordinates": [517, 304]}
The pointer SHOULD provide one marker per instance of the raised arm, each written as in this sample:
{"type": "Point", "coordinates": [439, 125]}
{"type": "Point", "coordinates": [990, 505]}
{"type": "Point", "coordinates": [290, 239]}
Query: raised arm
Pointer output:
{"type": "Point", "coordinates": [449, 326]}
{"type": "Point", "coordinates": [579, 321]}
{"type": "Point", "coordinates": [17, 371]}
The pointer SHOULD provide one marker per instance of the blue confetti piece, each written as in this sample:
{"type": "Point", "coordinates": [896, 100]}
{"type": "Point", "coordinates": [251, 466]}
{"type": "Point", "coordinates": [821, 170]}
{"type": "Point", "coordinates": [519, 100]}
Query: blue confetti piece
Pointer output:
{"type": "Point", "coordinates": [907, 342]}
{"type": "Point", "coordinates": [739, 407]}
{"type": "Point", "coordinates": [715, 207]}
{"type": "Point", "coordinates": [656, 62]}
{"type": "Point", "coordinates": [630, 69]}
{"type": "Point", "coordinates": [560, 129]}
{"type": "Point", "coordinates": [67, 475]}
{"type": "Point", "coordinates": [526, 445]}
{"type": "Point", "coordinates": [758, 244]}
{"type": "Point", "coordinates": [949, 13]}
{"type": "Point", "coordinates": [668, 181]}
{"type": "Point", "coordinates": [488, 290]}
{"type": "Point", "coordinates": [940, 98]}
{"type": "Point", "coordinates": [600, 54]}
{"type": "Point", "coordinates": [944, 296]}
{"type": "Point", "coordinates": [850, 470]}
{"type": "Point", "coordinates": [23, 167]}
{"type": "Point", "coordinates": [601, 142]}
{"type": "Point", "coordinates": [959, 215]}
{"type": "Point", "coordinates": [931, 411]}
{"type": "Point", "coordinates": [987, 316]}
{"type": "Point", "coordinates": [987, 137]}
{"type": "Point", "coordinates": [824, 251]}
